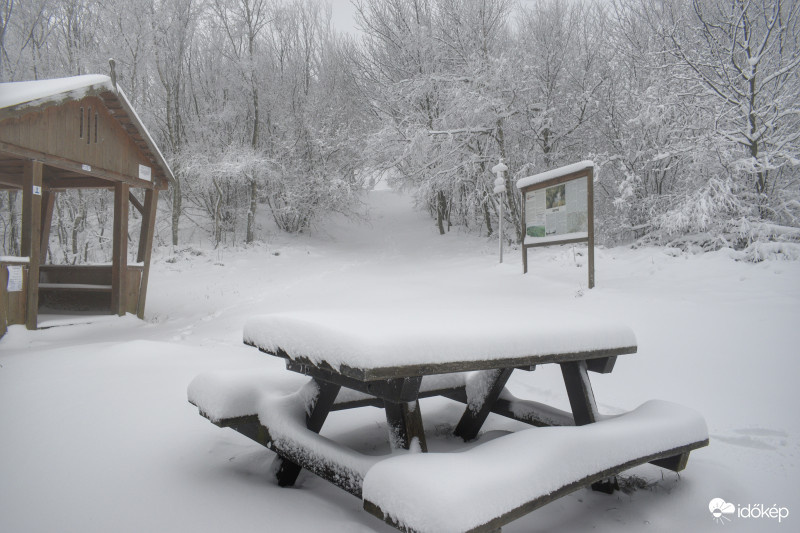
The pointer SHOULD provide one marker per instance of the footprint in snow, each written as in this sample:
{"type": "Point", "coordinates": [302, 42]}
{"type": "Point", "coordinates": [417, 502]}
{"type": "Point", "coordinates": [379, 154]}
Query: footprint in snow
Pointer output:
{"type": "Point", "coordinates": [756, 438]}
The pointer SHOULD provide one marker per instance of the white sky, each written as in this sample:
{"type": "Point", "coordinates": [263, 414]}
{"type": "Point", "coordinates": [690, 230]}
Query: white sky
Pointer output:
{"type": "Point", "coordinates": [343, 15]}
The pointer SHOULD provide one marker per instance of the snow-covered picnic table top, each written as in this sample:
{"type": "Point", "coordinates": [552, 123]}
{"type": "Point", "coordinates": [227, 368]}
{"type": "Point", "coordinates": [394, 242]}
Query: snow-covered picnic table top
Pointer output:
{"type": "Point", "coordinates": [370, 344]}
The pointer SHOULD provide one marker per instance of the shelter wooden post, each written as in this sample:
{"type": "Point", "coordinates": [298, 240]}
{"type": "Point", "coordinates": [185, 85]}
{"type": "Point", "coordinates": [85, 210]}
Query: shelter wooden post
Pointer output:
{"type": "Point", "coordinates": [32, 234]}
{"type": "Point", "coordinates": [146, 245]}
{"type": "Point", "coordinates": [590, 223]}
{"type": "Point", "coordinates": [119, 261]}
{"type": "Point", "coordinates": [3, 300]}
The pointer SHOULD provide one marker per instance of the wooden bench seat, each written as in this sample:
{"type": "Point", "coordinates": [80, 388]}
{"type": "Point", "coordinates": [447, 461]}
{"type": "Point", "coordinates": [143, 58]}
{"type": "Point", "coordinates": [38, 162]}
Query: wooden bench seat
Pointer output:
{"type": "Point", "coordinates": [481, 489]}
{"type": "Point", "coordinates": [79, 287]}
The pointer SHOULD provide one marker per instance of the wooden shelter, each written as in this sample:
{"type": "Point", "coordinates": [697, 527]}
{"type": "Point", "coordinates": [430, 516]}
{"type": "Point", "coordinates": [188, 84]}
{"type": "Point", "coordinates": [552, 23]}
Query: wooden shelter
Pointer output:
{"type": "Point", "coordinates": [76, 133]}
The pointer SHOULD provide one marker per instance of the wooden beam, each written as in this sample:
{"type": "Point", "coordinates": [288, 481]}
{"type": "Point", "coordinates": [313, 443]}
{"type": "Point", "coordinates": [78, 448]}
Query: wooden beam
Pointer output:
{"type": "Point", "coordinates": [73, 166]}
{"type": "Point", "coordinates": [3, 300]}
{"type": "Point", "coordinates": [590, 219]}
{"type": "Point", "coordinates": [11, 180]}
{"type": "Point", "coordinates": [146, 245]}
{"type": "Point", "coordinates": [32, 234]}
{"type": "Point", "coordinates": [83, 182]}
{"type": "Point", "coordinates": [475, 414]}
{"type": "Point", "coordinates": [405, 425]}
{"type": "Point", "coordinates": [136, 203]}
{"type": "Point", "coordinates": [48, 201]}
{"type": "Point", "coordinates": [579, 391]}
{"type": "Point", "coordinates": [119, 259]}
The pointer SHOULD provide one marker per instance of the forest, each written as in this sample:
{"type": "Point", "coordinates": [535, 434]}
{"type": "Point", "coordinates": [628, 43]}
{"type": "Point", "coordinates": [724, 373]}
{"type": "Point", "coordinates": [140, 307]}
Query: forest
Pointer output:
{"type": "Point", "coordinates": [271, 118]}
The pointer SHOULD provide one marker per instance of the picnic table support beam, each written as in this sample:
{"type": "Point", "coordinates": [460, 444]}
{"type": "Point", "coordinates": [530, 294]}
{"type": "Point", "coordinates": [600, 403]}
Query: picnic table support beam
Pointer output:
{"type": "Point", "coordinates": [579, 391]}
{"type": "Point", "coordinates": [584, 408]}
{"type": "Point", "coordinates": [286, 471]}
{"type": "Point", "coordinates": [405, 418]}
{"type": "Point", "coordinates": [475, 414]}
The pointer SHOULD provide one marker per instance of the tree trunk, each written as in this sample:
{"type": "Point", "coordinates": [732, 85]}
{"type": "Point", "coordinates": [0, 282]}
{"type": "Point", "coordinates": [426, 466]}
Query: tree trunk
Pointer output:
{"type": "Point", "coordinates": [441, 206]}
{"type": "Point", "coordinates": [251, 214]}
{"type": "Point", "coordinates": [176, 208]}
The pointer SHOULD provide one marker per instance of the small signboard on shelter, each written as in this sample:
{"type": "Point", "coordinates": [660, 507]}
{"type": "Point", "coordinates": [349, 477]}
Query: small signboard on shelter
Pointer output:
{"type": "Point", "coordinates": [558, 208]}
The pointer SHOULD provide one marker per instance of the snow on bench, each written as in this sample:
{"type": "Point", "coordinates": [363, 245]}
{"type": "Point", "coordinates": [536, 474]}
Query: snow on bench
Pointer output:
{"type": "Point", "coordinates": [499, 481]}
{"type": "Point", "coordinates": [222, 396]}
{"type": "Point", "coordinates": [233, 397]}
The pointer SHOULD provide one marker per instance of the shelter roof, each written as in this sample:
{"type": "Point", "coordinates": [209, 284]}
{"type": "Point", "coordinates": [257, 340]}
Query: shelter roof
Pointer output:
{"type": "Point", "coordinates": [21, 97]}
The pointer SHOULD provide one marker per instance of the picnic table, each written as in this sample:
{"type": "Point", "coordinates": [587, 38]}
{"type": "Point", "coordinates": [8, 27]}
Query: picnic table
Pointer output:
{"type": "Point", "coordinates": [391, 360]}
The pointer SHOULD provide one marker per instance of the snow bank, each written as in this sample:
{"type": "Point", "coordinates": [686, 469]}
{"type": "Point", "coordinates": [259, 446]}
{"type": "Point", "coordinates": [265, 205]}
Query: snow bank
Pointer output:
{"type": "Point", "coordinates": [362, 338]}
{"type": "Point", "coordinates": [454, 492]}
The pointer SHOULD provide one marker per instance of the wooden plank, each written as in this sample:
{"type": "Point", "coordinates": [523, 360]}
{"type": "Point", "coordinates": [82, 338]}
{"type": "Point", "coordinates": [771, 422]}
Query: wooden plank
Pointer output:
{"type": "Point", "coordinates": [363, 375]}
{"type": "Point", "coordinates": [119, 259]}
{"type": "Point", "coordinates": [475, 415]}
{"type": "Point", "coordinates": [556, 243]}
{"type": "Point", "coordinates": [77, 287]}
{"type": "Point", "coordinates": [32, 234]}
{"type": "Point", "coordinates": [145, 251]}
{"type": "Point", "coordinates": [374, 374]}
{"type": "Point", "coordinates": [84, 274]}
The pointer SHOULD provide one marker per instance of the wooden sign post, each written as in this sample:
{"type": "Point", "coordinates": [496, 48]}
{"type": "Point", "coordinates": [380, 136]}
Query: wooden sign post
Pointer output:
{"type": "Point", "coordinates": [558, 208]}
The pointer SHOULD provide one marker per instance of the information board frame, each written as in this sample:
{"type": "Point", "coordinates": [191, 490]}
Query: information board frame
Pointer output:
{"type": "Point", "coordinates": [552, 178]}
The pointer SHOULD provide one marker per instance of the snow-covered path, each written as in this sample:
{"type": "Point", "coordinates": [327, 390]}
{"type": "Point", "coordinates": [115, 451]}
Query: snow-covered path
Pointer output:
{"type": "Point", "coordinates": [96, 434]}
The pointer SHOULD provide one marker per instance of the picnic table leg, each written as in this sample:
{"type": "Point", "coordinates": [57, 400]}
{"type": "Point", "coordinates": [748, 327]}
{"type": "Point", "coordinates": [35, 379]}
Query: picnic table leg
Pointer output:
{"type": "Point", "coordinates": [405, 418]}
{"type": "Point", "coordinates": [286, 471]}
{"type": "Point", "coordinates": [584, 407]}
{"type": "Point", "coordinates": [476, 413]}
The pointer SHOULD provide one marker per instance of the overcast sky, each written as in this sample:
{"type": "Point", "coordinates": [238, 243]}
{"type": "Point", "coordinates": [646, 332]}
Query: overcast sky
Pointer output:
{"type": "Point", "coordinates": [343, 15]}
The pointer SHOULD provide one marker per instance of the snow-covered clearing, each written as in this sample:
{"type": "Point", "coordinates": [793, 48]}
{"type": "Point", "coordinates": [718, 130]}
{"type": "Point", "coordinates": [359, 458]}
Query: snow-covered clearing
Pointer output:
{"type": "Point", "coordinates": [96, 434]}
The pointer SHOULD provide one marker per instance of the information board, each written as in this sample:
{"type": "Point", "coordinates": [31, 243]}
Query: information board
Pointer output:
{"type": "Point", "coordinates": [559, 210]}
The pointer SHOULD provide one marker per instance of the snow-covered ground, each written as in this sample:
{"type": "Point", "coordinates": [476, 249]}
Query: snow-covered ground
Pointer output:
{"type": "Point", "coordinates": [96, 434]}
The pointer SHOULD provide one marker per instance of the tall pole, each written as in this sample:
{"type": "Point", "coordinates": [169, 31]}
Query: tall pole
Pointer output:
{"type": "Point", "coordinates": [499, 188]}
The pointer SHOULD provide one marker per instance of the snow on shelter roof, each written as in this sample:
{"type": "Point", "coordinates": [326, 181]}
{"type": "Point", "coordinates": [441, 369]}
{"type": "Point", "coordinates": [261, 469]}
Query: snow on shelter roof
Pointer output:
{"type": "Point", "coordinates": [41, 91]}
{"type": "Point", "coordinates": [554, 173]}
{"type": "Point", "coordinates": [23, 94]}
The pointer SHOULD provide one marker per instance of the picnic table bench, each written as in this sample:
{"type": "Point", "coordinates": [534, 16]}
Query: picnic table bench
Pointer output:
{"type": "Point", "coordinates": [389, 360]}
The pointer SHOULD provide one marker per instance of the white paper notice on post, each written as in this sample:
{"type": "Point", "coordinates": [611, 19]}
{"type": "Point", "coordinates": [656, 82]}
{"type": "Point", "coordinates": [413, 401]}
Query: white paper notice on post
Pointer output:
{"type": "Point", "coordinates": [145, 173]}
{"type": "Point", "coordinates": [14, 278]}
